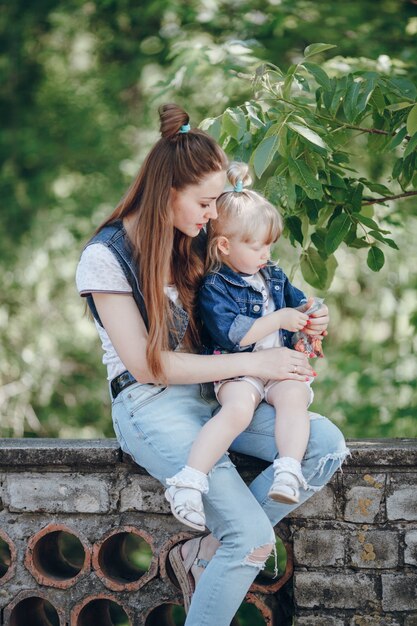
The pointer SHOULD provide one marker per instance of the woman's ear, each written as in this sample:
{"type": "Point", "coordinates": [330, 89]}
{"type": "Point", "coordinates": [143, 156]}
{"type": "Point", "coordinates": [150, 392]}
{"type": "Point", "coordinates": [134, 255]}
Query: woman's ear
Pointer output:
{"type": "Point", "coordinates": [223, 245]}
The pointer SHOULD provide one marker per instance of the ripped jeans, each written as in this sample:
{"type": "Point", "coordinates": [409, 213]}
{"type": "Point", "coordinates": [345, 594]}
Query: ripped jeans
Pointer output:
{"type": "Point", "coordinates": [157, 426]}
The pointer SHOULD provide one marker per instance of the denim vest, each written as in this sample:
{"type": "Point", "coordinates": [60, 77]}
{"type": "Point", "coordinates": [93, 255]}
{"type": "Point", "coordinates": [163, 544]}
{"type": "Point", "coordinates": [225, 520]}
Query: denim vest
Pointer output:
{"type": "Point", "coordinates": [229, 305]}
{"type": "Point", "coordinates": [115, 238]}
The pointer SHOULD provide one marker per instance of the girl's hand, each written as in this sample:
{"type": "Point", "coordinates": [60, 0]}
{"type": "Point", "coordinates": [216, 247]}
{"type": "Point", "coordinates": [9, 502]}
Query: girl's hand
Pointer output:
{"type": "Point", "coordinates": [281, 364]}
{"type": "Point", "coordinates": [291, 319]}
{"type": "Point", "coordinates": [318, 322]}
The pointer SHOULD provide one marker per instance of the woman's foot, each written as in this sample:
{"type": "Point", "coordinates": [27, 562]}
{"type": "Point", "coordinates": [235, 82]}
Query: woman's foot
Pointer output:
{"type": "Point", "coordinates": [185, 497]}
{"type": "Point", "coordinates": [188, 561]}
{"type": "Point", "coordinates": [288, 479]}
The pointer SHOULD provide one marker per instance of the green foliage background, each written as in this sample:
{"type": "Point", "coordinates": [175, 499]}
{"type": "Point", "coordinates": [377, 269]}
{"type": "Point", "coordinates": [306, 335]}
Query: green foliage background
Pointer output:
{"type": "Point", "coordinates": [80, 83]}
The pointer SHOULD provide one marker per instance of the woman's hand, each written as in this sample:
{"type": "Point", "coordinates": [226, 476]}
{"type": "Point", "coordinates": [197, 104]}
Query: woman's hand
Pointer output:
{"type": "Point", "coordinates": [318, 322]}
{"type": "Point", "coordinates": [281, 364]}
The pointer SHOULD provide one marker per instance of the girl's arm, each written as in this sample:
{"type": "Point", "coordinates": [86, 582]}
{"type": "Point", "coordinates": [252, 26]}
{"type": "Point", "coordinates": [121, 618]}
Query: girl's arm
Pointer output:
{"type": "Point", "coordinates": [126, 329]}
{"type": "Point", "coordinates": [288, 319]}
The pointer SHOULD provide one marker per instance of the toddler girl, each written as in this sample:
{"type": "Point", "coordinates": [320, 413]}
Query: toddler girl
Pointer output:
{"type": "Point", "coordinates": [246, 303]}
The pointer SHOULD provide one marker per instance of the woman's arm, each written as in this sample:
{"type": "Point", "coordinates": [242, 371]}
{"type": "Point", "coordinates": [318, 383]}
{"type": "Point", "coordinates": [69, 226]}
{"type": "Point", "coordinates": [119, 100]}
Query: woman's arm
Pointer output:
{"type": "Point", "coordinates": [126, 329]}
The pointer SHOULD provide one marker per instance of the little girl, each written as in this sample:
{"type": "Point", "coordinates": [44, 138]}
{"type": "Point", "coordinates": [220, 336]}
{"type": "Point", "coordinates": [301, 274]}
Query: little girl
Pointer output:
{"type": "Point", "coordinates": [246, 303]}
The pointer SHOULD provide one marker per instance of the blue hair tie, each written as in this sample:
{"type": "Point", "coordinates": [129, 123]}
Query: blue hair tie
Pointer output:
{"type": "Point", "coordinates": [239, 186]}
{"type": "Point", "coordinates": [185, 128]}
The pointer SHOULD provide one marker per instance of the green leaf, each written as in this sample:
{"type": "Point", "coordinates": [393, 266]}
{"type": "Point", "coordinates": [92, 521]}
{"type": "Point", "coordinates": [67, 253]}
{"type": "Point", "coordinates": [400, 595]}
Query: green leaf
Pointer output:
{"type": "Point", "coordinates": [292, 193]}
{"type": "Point", "coordinates": [396, 140]}
{"type": "Point", "coordinates": [308, 134]}
{"type": "Point", "coordinates": [264, 154]}
{"type": "Point", "coordinates": [253, 116]}
{"type": "Point", "coordinates": [288, 81]}
{"type": "Point", "coordinates": [375, 258]}
{"type": "Point", "coordinates": [398, 106]}
{"type": "Point", "coordinates": [398, 167]}
{"type": "Point", "coordinates": [303, 176]}
{"type": "Point", "coordinates": [338, 230]}
{"type": "Point", "coordinates": [350, 100]}
{"type": "Point", "coordinates": [331, 265]}
{"type": "Point", "coordinates": [316, 48]}
{"type": "Point", "coordinates": [412, 121]}
{"type": "Point", "coordinates": [212, 126]}
{"type": "Point", "coordinates": [319, 74]}
{"type": "Point", "coordinates": [293, 224]}
{"type": "Point", "coordinates": [313, 268]}
{"type": "Point", "coordinates": [359, 243]}
{"type": "Point", "coordinates": [377, 235]}
{"type": "Point", "coordinates": [234, 123]}
{"type": "Point", "coordinates": [356, 200]}
{"type": "Point", "coordinates": [367, 221]}
{"type": "Point", "coordinates": [336, 180]}
{"type": "Point", "coordinates": [319, 239]}
{"type": "Point", "coordinates": [366, 91]}
{"type": "Point", "coordinates": [411, 146]}
{"type": "Point", "coordinates": [377, 187]}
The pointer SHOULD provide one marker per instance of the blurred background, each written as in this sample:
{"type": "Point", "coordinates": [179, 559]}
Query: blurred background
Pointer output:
{"type": "Point", "coordinates": [80, 85]}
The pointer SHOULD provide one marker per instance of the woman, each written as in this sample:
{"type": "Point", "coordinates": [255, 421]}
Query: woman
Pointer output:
{"type": "Point", "coordinates": [140, 274]}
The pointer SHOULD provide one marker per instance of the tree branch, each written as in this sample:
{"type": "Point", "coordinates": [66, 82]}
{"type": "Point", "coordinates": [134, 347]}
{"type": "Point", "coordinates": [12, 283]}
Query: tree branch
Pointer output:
{"type": "Point", "coordinates": [406, 194]}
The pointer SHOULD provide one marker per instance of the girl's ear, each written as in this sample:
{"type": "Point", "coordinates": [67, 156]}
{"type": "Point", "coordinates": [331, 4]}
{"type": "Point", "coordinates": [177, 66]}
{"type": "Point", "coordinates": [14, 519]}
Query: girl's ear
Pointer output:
{"type": "Point", "coordinates": [223, 245]}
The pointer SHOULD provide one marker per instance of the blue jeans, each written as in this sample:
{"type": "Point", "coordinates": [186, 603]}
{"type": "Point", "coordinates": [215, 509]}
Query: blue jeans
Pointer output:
{"type": "Point", "coordinates": [157, 426]}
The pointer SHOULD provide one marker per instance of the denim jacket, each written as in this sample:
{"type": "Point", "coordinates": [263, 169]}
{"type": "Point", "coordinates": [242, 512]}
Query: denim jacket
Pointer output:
{"type": "Point", "coordinates": [229, 306]}
{"type": "Point", "coordinates": [115, 238]}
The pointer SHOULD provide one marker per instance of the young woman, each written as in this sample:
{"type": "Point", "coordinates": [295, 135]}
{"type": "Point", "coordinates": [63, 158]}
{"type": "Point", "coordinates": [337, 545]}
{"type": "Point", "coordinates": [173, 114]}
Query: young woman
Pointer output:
{"type": "Point", "coordinates": [140, 274]}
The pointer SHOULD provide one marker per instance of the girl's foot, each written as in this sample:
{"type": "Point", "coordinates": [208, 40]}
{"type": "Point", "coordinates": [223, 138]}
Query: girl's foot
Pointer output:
{"type": "Point", "coordinates": [288, 479]}
{"type": "Point", "coordinates": [184, 495]}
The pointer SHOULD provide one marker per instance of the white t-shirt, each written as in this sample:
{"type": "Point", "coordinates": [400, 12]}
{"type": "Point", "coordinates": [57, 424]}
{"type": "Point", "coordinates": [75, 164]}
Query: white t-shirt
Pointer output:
{"type": "Point", "coordinates": [257, 282]}
{"type": "Point", "coordinates": [99, 271]}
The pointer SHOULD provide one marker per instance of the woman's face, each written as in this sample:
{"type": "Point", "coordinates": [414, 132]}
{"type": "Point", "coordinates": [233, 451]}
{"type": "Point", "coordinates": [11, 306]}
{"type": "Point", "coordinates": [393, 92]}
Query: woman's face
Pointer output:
{"type": "Point", "coordinates": [195, 205]}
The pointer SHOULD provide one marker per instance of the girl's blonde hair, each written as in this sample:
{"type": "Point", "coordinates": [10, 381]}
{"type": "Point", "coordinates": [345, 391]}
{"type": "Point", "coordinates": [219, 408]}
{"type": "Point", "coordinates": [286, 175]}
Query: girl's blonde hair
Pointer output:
{"type": "Point", "coordinates": [243, 214]}
{"type": "Point", "coordinates": [177, 160]}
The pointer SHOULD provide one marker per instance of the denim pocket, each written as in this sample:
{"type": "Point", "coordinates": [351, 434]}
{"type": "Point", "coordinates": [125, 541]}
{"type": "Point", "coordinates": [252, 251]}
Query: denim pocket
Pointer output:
{"type": "Point", "coordinates": [139, 395]}
{"type": "Point", "coordinates": [119, 436]}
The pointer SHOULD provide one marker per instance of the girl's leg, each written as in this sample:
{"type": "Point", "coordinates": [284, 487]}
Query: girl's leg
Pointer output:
{"type": "Point", "coordinates": [290, 399]}
{"type": "Point", "coordinates": [326, 451]}
{"type": "Point", "coordinates": [157, 427]}
{"type": "Point", "coordinates": [238, 402]}
{"type": "Point", "coordinates": [186, 488]}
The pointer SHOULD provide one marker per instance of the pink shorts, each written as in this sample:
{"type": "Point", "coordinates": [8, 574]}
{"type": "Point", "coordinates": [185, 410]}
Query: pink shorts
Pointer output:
{"type": "Point", "coordinates": [261, 386]}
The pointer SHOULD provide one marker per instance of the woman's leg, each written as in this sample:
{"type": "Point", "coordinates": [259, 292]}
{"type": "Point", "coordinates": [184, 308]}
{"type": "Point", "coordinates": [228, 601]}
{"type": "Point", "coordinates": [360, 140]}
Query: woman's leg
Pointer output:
{"type": "Point", "coordinates": [326, 451]}
{"type": "Point", "coordinates": [157, 427]}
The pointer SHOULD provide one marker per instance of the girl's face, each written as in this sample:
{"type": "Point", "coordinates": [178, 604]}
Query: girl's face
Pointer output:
{"type": "Point", "coordinates": [195, 205]}
{"type": "Point", "coordinates": [244, 257]}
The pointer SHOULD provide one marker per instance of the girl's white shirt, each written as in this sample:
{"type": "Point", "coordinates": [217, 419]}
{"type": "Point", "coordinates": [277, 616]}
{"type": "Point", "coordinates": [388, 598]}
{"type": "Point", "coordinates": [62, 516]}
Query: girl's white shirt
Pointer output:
{"type": "Point", "coordinates": [257, 282]}
{"type": "Point", "coordinates": [99, 271]}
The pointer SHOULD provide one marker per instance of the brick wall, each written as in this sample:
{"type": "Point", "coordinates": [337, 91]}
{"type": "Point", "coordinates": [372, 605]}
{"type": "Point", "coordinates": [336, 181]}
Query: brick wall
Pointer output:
{"type": "Point", "coordinates": [70, 511]}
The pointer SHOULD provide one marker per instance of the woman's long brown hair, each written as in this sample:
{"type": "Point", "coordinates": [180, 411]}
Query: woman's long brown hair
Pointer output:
{"type": "Point", "coordinates": [160, 250]}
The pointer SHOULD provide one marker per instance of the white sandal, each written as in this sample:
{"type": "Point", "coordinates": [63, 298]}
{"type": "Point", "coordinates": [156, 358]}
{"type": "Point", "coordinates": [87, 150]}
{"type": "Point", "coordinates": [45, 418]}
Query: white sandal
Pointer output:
{"type": "Point", "coordinates": [184, 496]}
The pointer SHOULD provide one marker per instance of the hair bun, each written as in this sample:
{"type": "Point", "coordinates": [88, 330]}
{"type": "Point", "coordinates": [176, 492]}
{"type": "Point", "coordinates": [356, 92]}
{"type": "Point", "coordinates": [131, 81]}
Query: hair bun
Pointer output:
{"type": "Point", "coordinates": [172, 117]}
{"type": "Point", "coordinates": [239, 171]}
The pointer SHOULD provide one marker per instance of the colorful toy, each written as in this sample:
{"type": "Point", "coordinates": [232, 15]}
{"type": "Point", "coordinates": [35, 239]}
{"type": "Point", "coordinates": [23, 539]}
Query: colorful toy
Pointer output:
{"type": "Point", "coordinates": [311, 345]}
